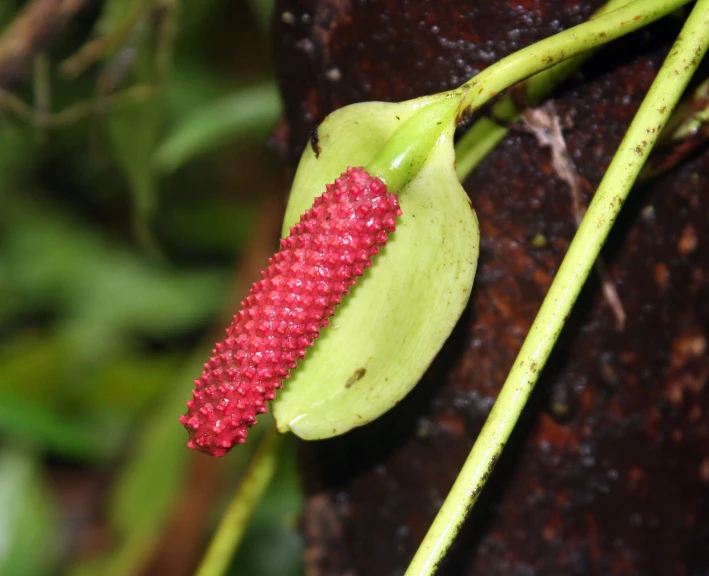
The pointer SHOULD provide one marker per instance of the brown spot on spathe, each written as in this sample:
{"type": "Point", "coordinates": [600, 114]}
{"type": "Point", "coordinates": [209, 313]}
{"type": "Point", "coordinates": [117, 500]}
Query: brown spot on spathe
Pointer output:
{"type": "Point", "coordinates": [357, 375]}
{"type": "Point", "coordinates": [315, 141]}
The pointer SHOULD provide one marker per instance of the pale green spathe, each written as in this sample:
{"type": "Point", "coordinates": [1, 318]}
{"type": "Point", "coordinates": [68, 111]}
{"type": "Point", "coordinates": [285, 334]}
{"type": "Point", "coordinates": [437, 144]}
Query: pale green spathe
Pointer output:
{"type": "Point", "coordinates": [386, 333]}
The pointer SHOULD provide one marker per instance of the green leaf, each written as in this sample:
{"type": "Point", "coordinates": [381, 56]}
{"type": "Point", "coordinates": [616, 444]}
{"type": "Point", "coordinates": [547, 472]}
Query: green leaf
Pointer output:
{"type": "Point", "coordinates": [18, 158]}
{"type": "Point", "coordinates": [133, 129]}
{"type": "Point", "coordinates": [386, 333]}
{"type": "Point", "coordinates": [133, 133]}
{"type": "Point", "coordinates": [262, 11]}
{"type": "Point", "coordinates": [147, 487]}
{"type": "Point", "coordinates": [272, 545]}
{"type": "Point", "coordinates": [51, 261]}
{"type": "Point", "coordinates": [250, 113]}
{"type": "Point", "coordinates": [153, 476]}
{"type": "Point", "coordinates": [117, 12]}
{"type": "Point", "coordinates": [37, 425]}
{"type": "Point", "coordinates": [27, 517]}
{"type": "Point", "coordinates": [65, 385]}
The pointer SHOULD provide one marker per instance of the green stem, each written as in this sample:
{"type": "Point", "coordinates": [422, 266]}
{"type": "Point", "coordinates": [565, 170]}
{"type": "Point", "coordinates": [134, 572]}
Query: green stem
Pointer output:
{"type": "Point", "coordinates": [486, 133]}
{"type": "Point", "coordinates": [245, 501]}
{"type": "Point", "coordinates": [639, 140]}
{"type": "Point", "coordinates": [549, 52]}
{"type": "Point", "coordinates": [403, 155]}
{"type": "Point", "coordinates": [109, 42]}
{"type": "Point", "coordinates": [690, 117]}
{"type": "Point", "coordinates": [42, 93]}
{"type": "Point", "coordinates": [687, 130]}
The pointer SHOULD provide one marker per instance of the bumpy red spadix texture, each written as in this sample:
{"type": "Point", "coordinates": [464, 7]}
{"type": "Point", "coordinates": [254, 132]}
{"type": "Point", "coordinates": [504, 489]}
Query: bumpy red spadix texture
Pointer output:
{"type": "Point", "coordinates": [318, 262]}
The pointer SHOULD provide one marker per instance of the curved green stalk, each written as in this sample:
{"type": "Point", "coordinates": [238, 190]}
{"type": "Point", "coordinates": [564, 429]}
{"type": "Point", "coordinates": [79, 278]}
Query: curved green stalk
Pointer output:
{"type": "Point", "coordinates": [403, 155]}
{"type": "Point", "coordinates": [549, 52]}
{"type": "Point", "coordinates": [245, 501]}
{"type": "Point", "coordinates": [696, 121]}
{"type": "Point", "coordinates": [556, 56]}
{"type": "Point", "coordinates": [408, 148]}
{"type": "Point", "coordinates": [639, 140]}
{"type": "Point", "coordinates": [687, 129]}
{"type": "Point", "coordinates": [487, 133]}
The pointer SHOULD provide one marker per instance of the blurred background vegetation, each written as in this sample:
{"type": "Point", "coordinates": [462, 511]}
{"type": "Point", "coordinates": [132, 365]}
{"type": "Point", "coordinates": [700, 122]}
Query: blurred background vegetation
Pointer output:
{"type": "Point", "coordinates": [138, 198]}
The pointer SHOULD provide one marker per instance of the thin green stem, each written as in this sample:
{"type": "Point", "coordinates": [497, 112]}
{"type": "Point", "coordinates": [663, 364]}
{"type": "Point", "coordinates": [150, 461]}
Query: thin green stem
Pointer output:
{"type": "Point", "coordinates": [639, 140]}
{"type": "Point", "coordinates": [42, 93]}
{"type": "Point", "coordinates": [549, 52]}
{"type": "Point", "coordinates": [690, 117]}
{"type": "Point", "coordinates": [76, 112]}
{"type": "Point", "coordinates": [98, 48]}
{"type": "Point", "coordinates": [486, 133]}
{"type": "Point", "coordinates": [687, 130]}
{"type": "Point", "coordinates": [245, 501]}
{"type": "Point", "coordinates": [403, 155]}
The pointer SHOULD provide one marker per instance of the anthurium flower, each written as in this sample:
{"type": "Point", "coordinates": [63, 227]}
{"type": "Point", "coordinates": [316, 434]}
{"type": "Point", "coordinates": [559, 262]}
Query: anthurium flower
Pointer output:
{"type": "Point", "coordinates": [318, 262]}
{"type": "Point", "coordinates": [390, 328]}
{"type": "Point", "coordinates": [384, 335]}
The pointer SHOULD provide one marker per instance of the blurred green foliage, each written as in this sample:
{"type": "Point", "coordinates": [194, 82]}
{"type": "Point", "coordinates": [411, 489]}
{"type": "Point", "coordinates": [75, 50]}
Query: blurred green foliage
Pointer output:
{"type": "Point", "coordinates": [132, 169]}
{"type": "Point", "coordinates": [28, 518]}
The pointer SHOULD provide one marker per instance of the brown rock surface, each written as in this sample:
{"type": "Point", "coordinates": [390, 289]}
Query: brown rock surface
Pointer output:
{"type": "Point", "coordinates": [608, 472]}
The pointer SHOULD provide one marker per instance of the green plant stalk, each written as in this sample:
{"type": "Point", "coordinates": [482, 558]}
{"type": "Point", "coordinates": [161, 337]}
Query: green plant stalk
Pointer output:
{"type": "Point", "coordinates": [568, 44]}
{"type": "Point", "coordinates": [401, 158]}
{"type": "Point", "coordinates": [42, 92]}
{"type": "Point", "coordinates": [107, 43]}
{"type": "Point", "coordinates": [233, 525]}
{"type": "Point", "coordinates": [690, 117]}
{"type": "Point", "coordinates": [76, 112]}
{"type": "Point", "coordinates": [399, 161]}
{"type": "Point", "coordinates": [403, 155]}
{"type": "Point", "coordinates": [487, 133]}
{"type": "Point", "coordinates": [677, 70]}
{"type": "Point", "coordinates": [247, 113]}
{"type": "Point", "coordinates": [687, 129]}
